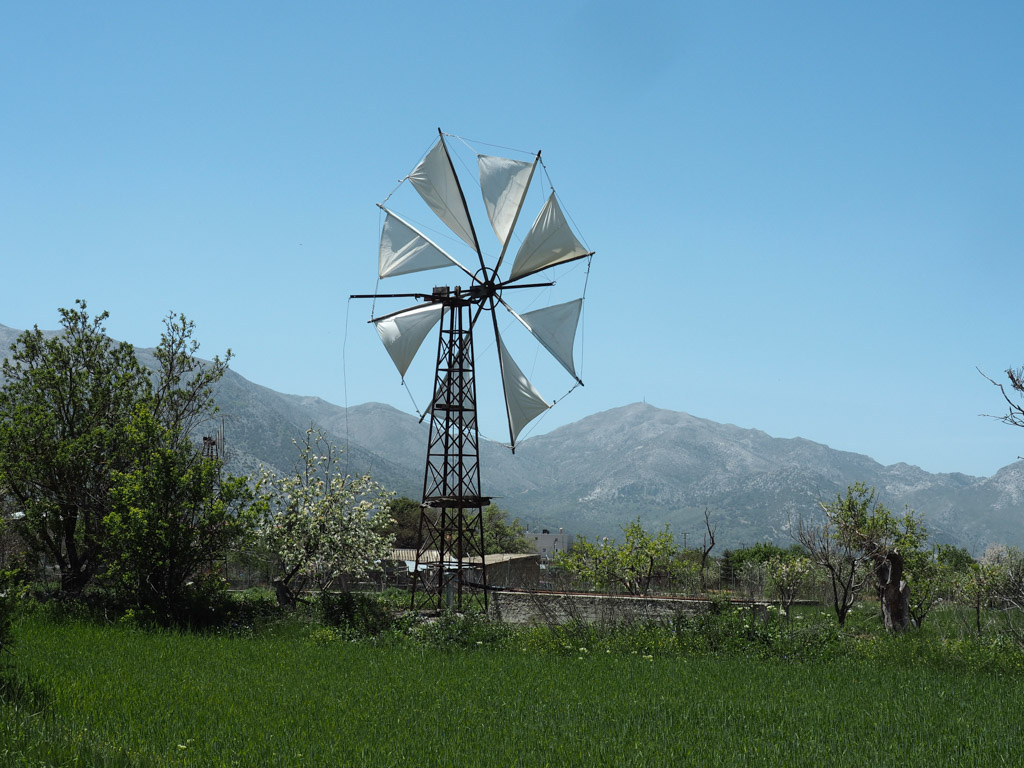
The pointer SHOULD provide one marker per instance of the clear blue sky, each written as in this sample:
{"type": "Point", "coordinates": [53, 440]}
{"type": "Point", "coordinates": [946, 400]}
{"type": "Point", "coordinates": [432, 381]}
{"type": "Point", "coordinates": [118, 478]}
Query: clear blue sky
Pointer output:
{"type": "Point", "coordinates": [808, 217]}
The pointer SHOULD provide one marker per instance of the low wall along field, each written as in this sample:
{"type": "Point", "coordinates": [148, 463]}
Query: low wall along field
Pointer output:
{"type": "Point", "coordinates": [526, 607]}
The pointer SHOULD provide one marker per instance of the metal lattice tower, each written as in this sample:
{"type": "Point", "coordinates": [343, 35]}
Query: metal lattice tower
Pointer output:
{"type": "Point", "coordinates": [210, 450]}
{"type": "Point", "coordinates": [213, 445]}
{"type": "Point", "coordinates": [451, 534]}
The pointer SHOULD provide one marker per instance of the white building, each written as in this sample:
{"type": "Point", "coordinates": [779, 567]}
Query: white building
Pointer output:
{"type": "Point", "coordinates": [546, 543]}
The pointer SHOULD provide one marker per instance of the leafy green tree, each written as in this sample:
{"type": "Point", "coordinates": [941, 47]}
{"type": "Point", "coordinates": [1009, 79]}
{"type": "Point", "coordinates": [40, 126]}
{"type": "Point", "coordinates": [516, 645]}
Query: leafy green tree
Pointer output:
{"type": "Point", "coordinates": [764, 552]}
{"type": "Point", "coordinates": [405, 513]}
{"type": "Point", "coordinates": [68, 406]}
{"type": "Point", "coordinates": [686, 574]}
{"type": "Point", "coordinates": [323, 525]}
{"type": "Point", "coordinates": [65, 404]}
{"type": "Point", "coordinates": [182, 386]}
{"type": "Point", "coordinates": [629, 566]}
{"type": "Point", "coordinates": [749, 566]}
{"type": "Point", "coordinates": [502, 536]}
{"type": "Point", "coordinates": [173, 519]}
{"type": "Point", "coordinates": [934, 574]}
{"type": "Point", "coordinates": [957, 559]}
{"type": "Point", "coordinates": [939, 573]}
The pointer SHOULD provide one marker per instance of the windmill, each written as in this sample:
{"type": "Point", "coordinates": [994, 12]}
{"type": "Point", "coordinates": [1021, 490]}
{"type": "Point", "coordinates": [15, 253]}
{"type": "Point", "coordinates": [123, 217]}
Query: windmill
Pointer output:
{"type": "Point", "coordinates": [451, 534]}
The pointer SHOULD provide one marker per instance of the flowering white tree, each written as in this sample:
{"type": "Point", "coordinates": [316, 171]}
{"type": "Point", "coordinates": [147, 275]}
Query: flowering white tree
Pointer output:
{"type": "Point", "coordinates": [787, 576]}
{"type": "Point", "coordinates": [322, 525]}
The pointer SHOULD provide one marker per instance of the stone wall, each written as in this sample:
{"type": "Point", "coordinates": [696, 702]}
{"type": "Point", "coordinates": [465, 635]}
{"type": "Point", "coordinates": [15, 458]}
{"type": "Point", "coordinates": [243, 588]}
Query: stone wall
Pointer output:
{"type": "Point", "coordinates": [515, 607]}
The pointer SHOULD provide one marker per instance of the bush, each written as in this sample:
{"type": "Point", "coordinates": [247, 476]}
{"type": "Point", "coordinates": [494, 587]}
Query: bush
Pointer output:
{"type": "Point", "coordinates": [11, 588]}
{"type": "Point", "coordinates": [360, 613]}
{"type": "Point", "coordinates": [570, 639]}
{"type": "Point", "coordinates": [210, 609]}
{"type": "Point", "coordinates": [394, 599]}
{"type": "Point", "coordinates": [217, 609]}
{"type": "Point", "coordinates": [727, 628]}
{"type": "Point", "coordinates": [458, 630]}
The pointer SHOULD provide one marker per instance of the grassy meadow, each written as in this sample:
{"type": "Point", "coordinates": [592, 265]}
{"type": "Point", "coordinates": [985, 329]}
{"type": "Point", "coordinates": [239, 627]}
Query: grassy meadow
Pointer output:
{"type": "Point", "coordinates": [464, 692]}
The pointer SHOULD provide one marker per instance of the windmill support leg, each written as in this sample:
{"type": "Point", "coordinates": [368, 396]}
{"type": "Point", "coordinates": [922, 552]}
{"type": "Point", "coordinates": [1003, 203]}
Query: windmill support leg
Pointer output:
{"type": "Point", "coordinates": [451, 539]}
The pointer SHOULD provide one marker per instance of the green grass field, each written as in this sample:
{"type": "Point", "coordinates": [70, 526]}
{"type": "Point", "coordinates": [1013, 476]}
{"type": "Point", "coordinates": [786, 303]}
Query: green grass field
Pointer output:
{"type": "Point", "coordinates": [85, 694]}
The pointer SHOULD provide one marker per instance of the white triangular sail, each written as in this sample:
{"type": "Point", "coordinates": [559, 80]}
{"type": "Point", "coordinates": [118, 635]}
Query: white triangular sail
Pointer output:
{"type": "Point", "coordinates": [403, 333]}
{"type": "Point", "coordinates": [404, 250]}
{"type": "Point", "coordinates": [503, 184]}
{"type": "Point", "coordinates": [435, 180]}
{"type": "Point", "coordinates": [549, 242]}
{"type": "Point", "coordinates": [523, 401]}
{"type": "Point", "coordinates": [555, 328]}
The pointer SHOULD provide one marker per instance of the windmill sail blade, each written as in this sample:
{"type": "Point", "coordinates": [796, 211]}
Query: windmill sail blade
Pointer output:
{"type": "Point", "coordinates": [404, 250]}
{"type": "Point", "coordinates": [555, 328]}
{"type": "Point", "coordinates": [435, 180]}
{"type": "Point", "coordinates": [404, 332]}
{"type": "Point", "coordinates": [503, 183]}
{"type": "Point", "coordinates": [523, 402]}
{"type": "Point", "coordinates": [550, 241]}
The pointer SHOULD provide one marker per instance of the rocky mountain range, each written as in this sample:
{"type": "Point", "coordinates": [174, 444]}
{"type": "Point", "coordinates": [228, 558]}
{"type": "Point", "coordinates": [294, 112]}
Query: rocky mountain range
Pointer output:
{"type": "Point", "coordinates": [595, 475]}
{"type": "Point", "coordinates": [665, 467]}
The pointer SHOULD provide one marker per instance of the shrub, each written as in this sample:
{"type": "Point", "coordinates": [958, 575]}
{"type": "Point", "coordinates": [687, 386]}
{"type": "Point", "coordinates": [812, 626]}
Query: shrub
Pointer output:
{"type": "Point", "coordinates": [361, 613]}
{"type": "Point", "coordinates": [458, 630]}
{"type": "Point", "coordinates": [734, 629]}
{"type": "Point", "coordinates": [241, 612]}
{"type": "Point", "coordinates": [11, 589]}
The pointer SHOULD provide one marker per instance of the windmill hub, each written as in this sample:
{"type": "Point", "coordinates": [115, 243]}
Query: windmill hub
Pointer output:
{"type": "Point", "coordinates": [486, 287]}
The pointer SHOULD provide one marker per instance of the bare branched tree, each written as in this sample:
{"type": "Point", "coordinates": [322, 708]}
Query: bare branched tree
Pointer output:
{"type": "Point", "coordinates": [1014, 415]}
{"type": "Point", "coordinates": [709, 544]}
{"type": "Point", "coordinates": [843, 564]}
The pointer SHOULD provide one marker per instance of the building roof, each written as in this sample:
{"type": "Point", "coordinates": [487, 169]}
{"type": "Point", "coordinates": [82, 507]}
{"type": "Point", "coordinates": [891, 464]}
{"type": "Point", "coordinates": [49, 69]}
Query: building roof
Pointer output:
{"type": "Point", "coordinates": [431, 556]}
